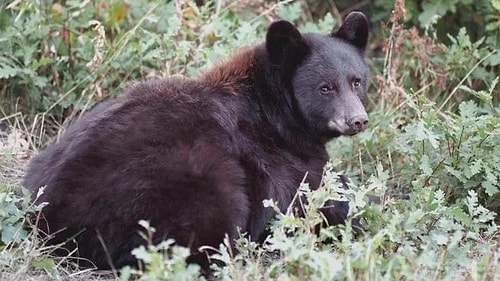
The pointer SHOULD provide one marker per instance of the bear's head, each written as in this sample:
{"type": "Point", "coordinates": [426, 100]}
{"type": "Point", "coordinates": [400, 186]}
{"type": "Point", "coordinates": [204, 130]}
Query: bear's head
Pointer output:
{"type": "Point", "coordinates": [329, 74]}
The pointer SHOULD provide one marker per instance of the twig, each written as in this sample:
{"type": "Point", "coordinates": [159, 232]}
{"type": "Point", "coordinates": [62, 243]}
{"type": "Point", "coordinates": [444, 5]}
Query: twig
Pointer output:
{"type": "Point", "coordinates": [463, 79]}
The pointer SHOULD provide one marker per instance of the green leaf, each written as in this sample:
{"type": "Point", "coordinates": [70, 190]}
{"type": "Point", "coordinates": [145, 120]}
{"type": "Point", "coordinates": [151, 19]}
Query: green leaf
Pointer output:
{"type": "Point", "coordinates": [468, 110]}
{"type": "Point", "coordinates": [461, 216]}
{"type": "Point", "coordinates": [290, 12]}
{"type": "Point", "coordinates": [439, 197]}
{"type": "Point", "coordinates": [12, 233]}
{"type": "Point", "coordinates": [490, 188]}
{"type": "Point", "coordinates": [432, 11]}
{"type": "Point", "coordinates": [142, 254]}
{"type": "Point", "coordinates": [458, 174]}
{"type": "Point", "coordinates": [6, 71]}
{"type": "Point", "coordinates": [327, 23]}
{"type": "Point", "coordinates": [496, 4]}
{"type": "Point", "coordinates": [125, 273]}
{"type": "Point", "coordinates": [46, 264]}
{"type": "Point", "coordinates": [440, 239]}
{"type": "Point", "coordinates": [473, 168]}
{"type": "Point", "coordinates": [41, 62]}
{"type": "Point", "coordinates": [425, 165]}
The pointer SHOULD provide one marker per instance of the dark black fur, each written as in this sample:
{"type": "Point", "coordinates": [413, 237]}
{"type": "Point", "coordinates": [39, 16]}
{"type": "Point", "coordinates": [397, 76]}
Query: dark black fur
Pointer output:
{"type": "Point", "coordinates": [197, 157]}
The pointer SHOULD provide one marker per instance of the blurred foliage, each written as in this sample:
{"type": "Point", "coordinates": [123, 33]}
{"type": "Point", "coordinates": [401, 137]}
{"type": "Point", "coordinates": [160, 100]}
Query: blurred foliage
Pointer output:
{"type": "Point", "coordinates": [61, 57]}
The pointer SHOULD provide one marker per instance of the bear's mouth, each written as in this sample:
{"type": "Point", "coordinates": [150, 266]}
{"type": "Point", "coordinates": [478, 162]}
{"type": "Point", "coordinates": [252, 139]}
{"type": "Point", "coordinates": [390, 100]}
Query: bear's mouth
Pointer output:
{"type": "Point", "coordinates": [343, 128]}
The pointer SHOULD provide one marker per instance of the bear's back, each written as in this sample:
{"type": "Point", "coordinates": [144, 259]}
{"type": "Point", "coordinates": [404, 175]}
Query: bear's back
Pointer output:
{"type": "Point", "coordinates": [148, 154]}
{"type": "Point", "coordinates": [152, 114]}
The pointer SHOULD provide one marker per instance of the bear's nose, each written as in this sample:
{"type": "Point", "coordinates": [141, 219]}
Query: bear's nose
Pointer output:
{"type": "Point", "coordinates": [358, 123]}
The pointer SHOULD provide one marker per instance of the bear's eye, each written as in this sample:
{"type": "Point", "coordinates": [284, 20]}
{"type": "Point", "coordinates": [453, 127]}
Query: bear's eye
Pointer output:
{"type": "Point", "coordinates": [326, 89]}
{"type": "Point", "coordinates": [356, 83]}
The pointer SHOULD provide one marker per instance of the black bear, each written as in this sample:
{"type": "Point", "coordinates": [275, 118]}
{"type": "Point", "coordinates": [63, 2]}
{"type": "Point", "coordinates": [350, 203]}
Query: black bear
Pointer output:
{"type": "Point", "coordinates": [196, 157]}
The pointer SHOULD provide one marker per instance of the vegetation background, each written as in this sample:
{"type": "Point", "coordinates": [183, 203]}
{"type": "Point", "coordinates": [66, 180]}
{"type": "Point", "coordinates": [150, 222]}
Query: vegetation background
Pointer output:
{"type": "Point", "coordinates": [432, 149]}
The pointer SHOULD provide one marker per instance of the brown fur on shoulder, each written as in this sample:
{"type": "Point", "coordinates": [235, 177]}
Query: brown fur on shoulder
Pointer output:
{"type": "Point", "coordinates": [230, 72]}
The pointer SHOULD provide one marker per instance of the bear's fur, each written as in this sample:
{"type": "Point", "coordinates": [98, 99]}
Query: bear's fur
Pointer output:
{"type": "Point", "coordinates": [196, 158]}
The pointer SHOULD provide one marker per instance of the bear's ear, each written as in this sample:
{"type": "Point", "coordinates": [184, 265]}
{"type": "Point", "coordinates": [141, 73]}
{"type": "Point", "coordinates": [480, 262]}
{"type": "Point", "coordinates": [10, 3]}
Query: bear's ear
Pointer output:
{"type": "Point", "coordinates": [283, 40]}
{"type": "Point", "coordinates": [354, 30]}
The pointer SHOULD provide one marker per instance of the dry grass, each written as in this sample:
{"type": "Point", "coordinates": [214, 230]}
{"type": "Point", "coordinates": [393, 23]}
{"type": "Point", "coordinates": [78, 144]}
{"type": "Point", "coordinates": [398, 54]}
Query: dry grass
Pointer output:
{"type": "Point", "coordinates": [25, 259]}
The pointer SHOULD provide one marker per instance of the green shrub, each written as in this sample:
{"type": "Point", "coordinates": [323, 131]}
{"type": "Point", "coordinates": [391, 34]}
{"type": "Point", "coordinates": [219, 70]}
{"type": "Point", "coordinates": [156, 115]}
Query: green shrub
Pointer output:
{"type": "Point", "coordinates": [59, 60]}
{"type": "Point", "coordinates": [164, 261]}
